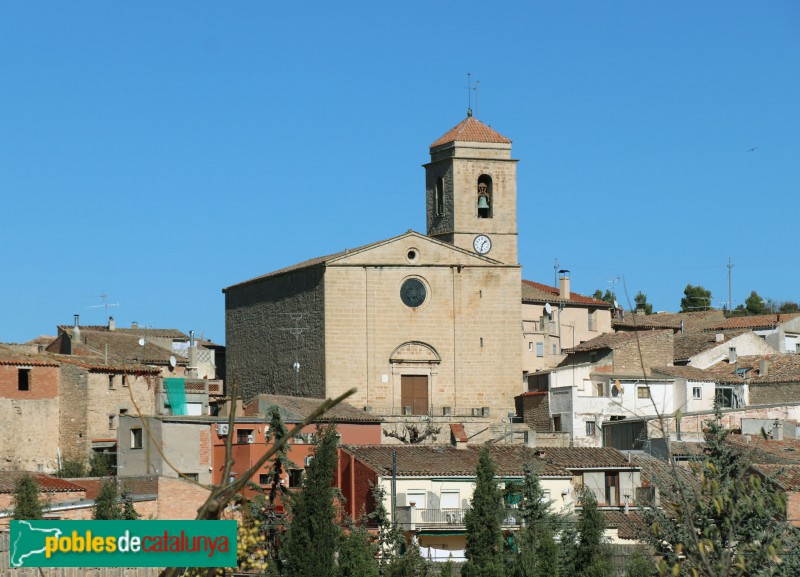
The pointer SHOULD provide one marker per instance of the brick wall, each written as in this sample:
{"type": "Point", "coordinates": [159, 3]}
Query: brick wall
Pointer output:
{"type": "Point", "coordinates": [793, 508]}
{"type": "Point", "coordinates": [43, 383]}
{"type": "Point", "coordinates": [179, 499]}
{"type": "Point", "coordinates": [260, 345]}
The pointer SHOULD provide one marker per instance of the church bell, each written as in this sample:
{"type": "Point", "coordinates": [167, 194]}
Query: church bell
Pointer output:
{"type": "Point", "coordinates": [483, 202]}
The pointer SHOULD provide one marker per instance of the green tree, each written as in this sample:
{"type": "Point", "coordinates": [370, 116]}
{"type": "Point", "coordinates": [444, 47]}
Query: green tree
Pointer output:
{"type": "Point", "coordinates": [100, 465]}
{"type": "Point", "coordinates": [641, 303]}
{"type": "Point", "coordinates": [484, 549]}
{"type": "Point", "coordinates": [695, 298]}
{"type": "Point", "coordinates": [608, 296]}
{"type": "Point", "coordinates": [357, 554]}
{"type": "Point", "coordinates": [390, 539]}
{"type": "Point", "coordinates": [755, 305]}
{"type": "Point", "coordinates": [106, 507]}
{"type": "Point", "coordinates": [313, 535]}
{"type": "Point", "coordinates": [535, 540]}
{"type": "Point", "coordinates": [448, 569]}
{"type": "Point", "coordinates": [71, 469]}
{"type": "Point", "coordinates": [591, 552]}
{"type": "Point", "coordinates": [789, 307]}
{"type": "Point", "coordinates": [128, 511]}
{"type": "Point", "coordinates": [410, 564]}
{"type": "Point", "coordinates": [729, 523]}
{"type": "Point", "coordinates": [641, 564]}
{"type": "Point", "coordinates": [27, 502]}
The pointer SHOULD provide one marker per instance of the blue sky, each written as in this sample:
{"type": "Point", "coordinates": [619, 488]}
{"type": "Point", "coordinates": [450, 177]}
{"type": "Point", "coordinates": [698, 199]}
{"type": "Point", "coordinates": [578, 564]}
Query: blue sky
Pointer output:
{"type": "Point", "coordinates": [157, 152]}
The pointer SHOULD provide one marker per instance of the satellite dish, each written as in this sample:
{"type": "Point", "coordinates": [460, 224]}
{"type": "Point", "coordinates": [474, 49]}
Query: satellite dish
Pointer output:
{"type": "Point", "coordinates": [616, 306]}
{"type": "Point", "coordinates": [142, 341]}
{"type": "Point", "coordinates": [172, 361]}
{"type": "Point", "coordinates": [547, 308]}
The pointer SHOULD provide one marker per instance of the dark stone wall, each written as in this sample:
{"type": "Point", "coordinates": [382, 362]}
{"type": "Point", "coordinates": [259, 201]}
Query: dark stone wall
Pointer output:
{"type": "Point", "coordinates": [445, 223]}
{"type": "Point", "coordinates": [262, 322]}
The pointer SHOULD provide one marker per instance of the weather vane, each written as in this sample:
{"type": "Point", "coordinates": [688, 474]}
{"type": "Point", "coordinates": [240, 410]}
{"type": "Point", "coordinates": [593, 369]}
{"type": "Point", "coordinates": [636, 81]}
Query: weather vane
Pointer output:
{"type": "Point", "coordinates": [470, 88]}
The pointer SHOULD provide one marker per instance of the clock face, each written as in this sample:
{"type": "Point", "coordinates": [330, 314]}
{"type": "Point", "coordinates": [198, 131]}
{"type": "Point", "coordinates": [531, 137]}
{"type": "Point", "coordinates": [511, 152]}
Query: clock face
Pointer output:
{"type": "Point", "coordinates": [482, 244]}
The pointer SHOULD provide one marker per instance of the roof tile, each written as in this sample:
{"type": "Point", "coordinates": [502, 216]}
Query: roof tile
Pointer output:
{"type": "Point", "coordinates": [471, 130]}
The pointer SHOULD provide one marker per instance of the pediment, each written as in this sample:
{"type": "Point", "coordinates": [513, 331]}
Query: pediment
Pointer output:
{"type": "Point", "coordinates": [415, 352]}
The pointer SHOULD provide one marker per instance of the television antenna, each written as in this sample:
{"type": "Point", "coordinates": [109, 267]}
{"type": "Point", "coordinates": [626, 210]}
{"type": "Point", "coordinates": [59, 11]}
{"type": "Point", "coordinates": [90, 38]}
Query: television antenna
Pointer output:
{"type": "Point", "coordinates": [105, 305]}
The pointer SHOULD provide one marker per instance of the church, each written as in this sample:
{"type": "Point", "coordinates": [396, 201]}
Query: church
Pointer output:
{"type": "Point", "coordinates": [421, 324]}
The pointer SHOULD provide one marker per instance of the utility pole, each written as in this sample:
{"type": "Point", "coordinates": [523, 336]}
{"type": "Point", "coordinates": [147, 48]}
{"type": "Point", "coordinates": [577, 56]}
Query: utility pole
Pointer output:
{"type": "Point", "coordinates": [730, 301]}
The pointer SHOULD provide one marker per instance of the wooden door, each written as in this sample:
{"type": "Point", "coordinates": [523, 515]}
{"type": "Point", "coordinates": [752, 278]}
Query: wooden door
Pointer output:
{"type": "Point", "coordinates": [414, 393]}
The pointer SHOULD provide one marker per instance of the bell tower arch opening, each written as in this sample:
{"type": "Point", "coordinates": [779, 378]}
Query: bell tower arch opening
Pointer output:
{"type": "Point", "coordinates": [484, 196]}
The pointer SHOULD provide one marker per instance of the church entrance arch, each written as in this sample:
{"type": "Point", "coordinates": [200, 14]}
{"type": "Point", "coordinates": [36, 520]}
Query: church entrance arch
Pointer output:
{"type": "Point", "coordinates": [415, 364]}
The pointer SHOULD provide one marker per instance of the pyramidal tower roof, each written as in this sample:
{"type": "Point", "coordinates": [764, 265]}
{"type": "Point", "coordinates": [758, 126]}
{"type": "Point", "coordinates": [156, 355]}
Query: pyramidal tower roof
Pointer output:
{"type": "Point", "coordinates": [471, 130]}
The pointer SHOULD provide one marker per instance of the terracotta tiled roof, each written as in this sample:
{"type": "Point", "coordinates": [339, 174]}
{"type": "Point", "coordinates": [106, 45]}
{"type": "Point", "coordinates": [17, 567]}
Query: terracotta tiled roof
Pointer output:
{"type": "Point", "coordinates": [787, 476]}
{"type": "Point", "coordinates": [611, 340]}
{"type": "Point", "coordinates": [12, 357]}
{"type": "Point", "coordinates": [659, 473]}
{"type": "Point", "coordinates": [471, 130]}
{"type": "Point", "coordinates": [138, 331]}
{"type": "Point", "coordinates": [47, 483]}
{"type": "Point", "coordinates": [629, 526]}
{"type": "Point", "coordinates": [299, 408]}
{"type": "Point", "coordinates": [689, 344]}
{"type": "Point", "coordinates": [113, 366]}
{"type": "Point", "coordinates": [754, 322]}
{"type": "Point", "coordinates": [688, 373]}
{"type": "Point", "coordinates": [535, 292]}
{"type": "Point", "coordinates": [120, 347]}
{"type": "Point", "coordinates": [781, 368]}
{"type": "Point", "coordinates": [767, 451]}
{"type": "Point", "coordinates": [586, 457]}
{"type": "Point", "coordinates": [692, 322]}
{"type": "Point", "coordinates": [447, 461]}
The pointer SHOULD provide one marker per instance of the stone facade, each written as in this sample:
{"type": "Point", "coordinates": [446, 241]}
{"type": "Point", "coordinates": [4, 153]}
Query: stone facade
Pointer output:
{"type": "Point", "coordinates": [93, 400]}
{"type": "Point", "coordinates": [29, 431]}
{"type": "Point", "coordinates": [270, 324]}
{"type": "Point", "coordinates": [344, 320]}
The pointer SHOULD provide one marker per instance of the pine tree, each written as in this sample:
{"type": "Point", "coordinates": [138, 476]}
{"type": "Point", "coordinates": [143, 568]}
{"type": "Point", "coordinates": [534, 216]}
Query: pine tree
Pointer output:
{"type": "Point", "coordinates": [547, 553]}
{"type": "Point", "coordinates": [484, 549]}
{"type": "Point", "coordinates": [313, 536]}
{"type": "Point", "coordinates": [729, 523]}
{"type": "Point", "coordinates": [390, 539]}
{"type": "Point", "coordinates": [641, 303]}
{"type": "Point", "coordinates": [128, 511]}
{"type": "Point", "coordinates": [591, 553]}
{"type": "Point", "coordinates": [411, 564]}
{"type": "Point", "coordinates": [105, 504]}
{"type": "Point", "coordinates": [537, 520]}
{"type": "Point", "coordinates": [448, 569]}
{"type": "Point", "coordinates": [357, 554]}
{"type": "Point", "coordinates": [640, 564]}
{"type": "Point", "coordinates": [27, 502]}
{"type": "Point", "coordinates": [695, 298]}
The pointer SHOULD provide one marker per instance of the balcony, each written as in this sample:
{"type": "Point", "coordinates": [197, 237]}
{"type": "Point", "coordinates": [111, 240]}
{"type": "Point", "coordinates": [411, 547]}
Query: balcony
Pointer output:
{"type": "Point", "coordinates": [415, 519]}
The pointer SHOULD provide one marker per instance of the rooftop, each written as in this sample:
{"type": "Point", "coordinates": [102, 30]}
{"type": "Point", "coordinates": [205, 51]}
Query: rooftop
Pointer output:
{"type": "Point", "coordinates": [535, 292]}
{"type": "Point", "coordinates": [781, 368]}
{"type": "Point", "coordinates": [296, 409]}
{"type": "Point", "coordinates": [471, 130]}
{"type": "Point", "coordinates": [754, 322]}
{"type": "Point", "coordinates": [47, 483]}
{"type": "Point", "coordinates": [612, 340]}
{"type": "Point", "coordinates": [692, 322]}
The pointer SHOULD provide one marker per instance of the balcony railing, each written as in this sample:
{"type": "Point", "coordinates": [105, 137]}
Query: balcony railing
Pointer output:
{"type": "Point", "coordinates": [412, 518]}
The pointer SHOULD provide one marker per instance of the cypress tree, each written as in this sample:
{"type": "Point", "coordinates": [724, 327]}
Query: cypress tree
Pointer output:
{"type": "Point", "coordinates": [313, 536]}
{"type": "Point", "coordinates": [27, 503]}
{"type": "Point", "coordinates": [357, 554]}
{"type": "Point", "coordinates": [484, 550]}
{"type": "Point", "coordinates": [128, 512]}
{"type": "Point", "coordinates": [591, 554]}
{"type": "Point", "coordinates": [105, 505]}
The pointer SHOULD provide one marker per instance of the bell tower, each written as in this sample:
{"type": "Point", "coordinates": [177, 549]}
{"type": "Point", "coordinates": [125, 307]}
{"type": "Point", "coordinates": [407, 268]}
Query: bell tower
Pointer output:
{"type": "Point", "coordinates": [471, 191]}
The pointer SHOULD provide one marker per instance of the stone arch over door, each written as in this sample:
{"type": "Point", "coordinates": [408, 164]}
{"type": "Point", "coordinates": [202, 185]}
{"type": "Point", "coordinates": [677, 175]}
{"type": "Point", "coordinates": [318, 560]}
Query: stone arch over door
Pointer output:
{"type": "Point", "coordinates": [414, 368]}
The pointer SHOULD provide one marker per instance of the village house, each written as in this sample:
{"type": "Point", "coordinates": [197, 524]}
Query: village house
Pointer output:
{"type": "Point", "coordinates": [781, 330]}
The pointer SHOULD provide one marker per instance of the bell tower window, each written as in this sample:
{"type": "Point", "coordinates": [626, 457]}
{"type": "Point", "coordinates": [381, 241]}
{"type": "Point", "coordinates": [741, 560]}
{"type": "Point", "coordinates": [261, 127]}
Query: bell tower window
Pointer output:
{"type": "Point", "coordinates": [438, 201]}
{"type": "Point", "coordinates": [484, 196]}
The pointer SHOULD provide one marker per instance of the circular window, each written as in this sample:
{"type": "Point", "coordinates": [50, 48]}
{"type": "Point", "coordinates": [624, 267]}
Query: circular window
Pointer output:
{"type": "Point", "coordinates": [412, 255]}
{"type": "Point", "coordinates": [413, 292]}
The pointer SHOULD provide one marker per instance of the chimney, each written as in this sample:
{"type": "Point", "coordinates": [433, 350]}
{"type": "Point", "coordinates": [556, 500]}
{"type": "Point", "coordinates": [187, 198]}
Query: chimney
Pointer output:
{"type": "Point", "coordinates": [719, 337]}
{"type": "Point", "coordinates": [563, 284]}
{"type": "Point", "coordinates": [777, 430]}
{"type": "Point", "coordinates": [134, 325]}
{"type": "Point", "coordinates": [458, 436]}
{"type": "Point", "coordinates": [763, 367]}
{"type": "Point", "coordinates": [731, 355]}
{"type": "Point", "coordinates": [76, 330]}
{"type": "Point", "coordinates": [112, 324]}
{"type": "Point", "coordinates": [683, 327]}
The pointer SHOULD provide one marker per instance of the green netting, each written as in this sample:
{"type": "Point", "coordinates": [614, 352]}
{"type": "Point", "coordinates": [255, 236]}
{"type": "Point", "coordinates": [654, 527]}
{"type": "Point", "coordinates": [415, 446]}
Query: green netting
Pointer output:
{"type": "Point", "coordinates": [176, 393]}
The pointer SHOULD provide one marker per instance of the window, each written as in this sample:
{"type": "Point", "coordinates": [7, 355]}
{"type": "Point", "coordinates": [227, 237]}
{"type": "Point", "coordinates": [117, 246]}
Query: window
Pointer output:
{"type": "Point", "coordinates": [612, 488]}
{"type": "Point", "coordinates": [556, 423]}
{"type": "Point", "coordinates": [136, 438]}
{"type": "Point", "coordinates": [438, 200]}
{"type": "Point", "coordinates": [112, 422]}
{"type": "Point", "coordinates": [190, 476]}
{"type": "Point", "coordinates": [484, 201]}
{"type": "Point", "coordinates": [263, 479]}
{"type": "Point", "coordinates": [244, 436]}
{"type": "Point", "coordinates": [591, 428]}
{"type": "Point", "coordinates": [697, 393]}
{"type": "Point", "coordinates": [643, 392]}
{"type": "Point", "coordinates": [308, 460]}
{"type": "Point", "coordinates": [295, 478]}
{"type": "Point", "coordinates": [124, 380]}
{"type": "Point", "coordinates": [555, 349]}
{"type": "Point", "coordinates": [110, 382]}
{"type": "Point", "coordinates": [591, 320]}
{"type": "Point", "coordinates": [724, 398]}
{"type": "Point", "coordinates": [530, 346]}
{"type": "Point", "coordinates": [545, 498]}
{"type": "Point", "coordinates": [598, 389]}
{"type": "Point", "coordinates": [24, 380]}
{"type": "Point", "coordinates": [539, 349]}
